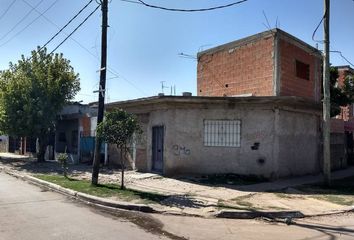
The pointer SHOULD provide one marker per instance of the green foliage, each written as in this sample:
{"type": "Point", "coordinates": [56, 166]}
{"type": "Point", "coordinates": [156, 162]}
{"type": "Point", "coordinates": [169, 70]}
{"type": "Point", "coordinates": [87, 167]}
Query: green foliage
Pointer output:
{"type": "Point", "coordinates": [63, 159]}
{"type": "Point", "coordinates": [118, 127]}
{"type": "Point", "coordinates": [103, 190]}
{"type": "Point", "coordinates": [340, 96]}
{"type": "Point", "coordinates": [33, 91]}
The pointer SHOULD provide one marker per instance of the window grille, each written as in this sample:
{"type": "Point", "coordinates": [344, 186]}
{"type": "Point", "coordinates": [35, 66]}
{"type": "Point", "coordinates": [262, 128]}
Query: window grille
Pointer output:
{"type": "Point", "coordinates": [222, 133]}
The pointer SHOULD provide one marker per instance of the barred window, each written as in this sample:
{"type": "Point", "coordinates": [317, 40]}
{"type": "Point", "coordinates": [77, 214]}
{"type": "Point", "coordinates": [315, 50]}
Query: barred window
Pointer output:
{"type": "Point", "coordinates": [222, 133]}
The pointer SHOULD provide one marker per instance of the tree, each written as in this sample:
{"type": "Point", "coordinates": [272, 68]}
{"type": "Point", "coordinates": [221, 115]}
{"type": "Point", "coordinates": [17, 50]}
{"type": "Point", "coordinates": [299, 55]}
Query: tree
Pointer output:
{"type": "Point", "coordinates": [118, 127]}
{"type": "Point", "coordinates": [341, 96]}
{"type": "Point", "coordinates": [33, 91]}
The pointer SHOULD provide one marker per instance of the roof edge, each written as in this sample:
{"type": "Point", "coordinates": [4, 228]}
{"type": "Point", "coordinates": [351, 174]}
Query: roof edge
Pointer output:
{"type": "Point", "coordinates": [255, 37]}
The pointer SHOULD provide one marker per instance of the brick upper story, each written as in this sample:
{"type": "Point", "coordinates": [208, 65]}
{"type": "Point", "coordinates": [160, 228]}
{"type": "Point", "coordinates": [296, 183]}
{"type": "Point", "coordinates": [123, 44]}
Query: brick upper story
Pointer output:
{"type": "Point", "coordinates": [271, 63]}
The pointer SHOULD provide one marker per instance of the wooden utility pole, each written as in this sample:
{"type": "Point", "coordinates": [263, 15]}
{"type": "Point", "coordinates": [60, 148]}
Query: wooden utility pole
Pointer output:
{"type": "Point", "coordinates": [101, 91]}
{"type": "Point", "coordinates": [326, 99]}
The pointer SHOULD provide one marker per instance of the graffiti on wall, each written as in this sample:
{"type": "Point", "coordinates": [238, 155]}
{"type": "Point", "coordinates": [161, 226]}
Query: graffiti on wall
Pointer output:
{"type": "Point", "coordinates": [179, 150]}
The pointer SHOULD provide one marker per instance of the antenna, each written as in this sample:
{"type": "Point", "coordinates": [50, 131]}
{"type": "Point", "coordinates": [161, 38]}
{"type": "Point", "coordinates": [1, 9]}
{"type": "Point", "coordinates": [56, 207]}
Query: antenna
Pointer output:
{"type": "Point", "coordinates": [268, 25]}
{"type": "Point", "coordinates": [189, 56]}
{"type": "Point", "coordinates": [163, 87]}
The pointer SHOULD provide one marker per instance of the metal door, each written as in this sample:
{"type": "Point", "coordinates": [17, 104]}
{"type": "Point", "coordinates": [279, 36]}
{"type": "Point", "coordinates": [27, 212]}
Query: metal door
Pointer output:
{"type": "Point", "coordinates": [157, 148]}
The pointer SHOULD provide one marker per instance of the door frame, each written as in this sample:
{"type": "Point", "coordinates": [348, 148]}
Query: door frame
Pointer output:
{"type": "Point", "coordinates": [153, 169]}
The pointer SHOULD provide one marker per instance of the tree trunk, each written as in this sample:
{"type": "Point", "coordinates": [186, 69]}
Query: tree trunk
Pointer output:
{"type": "Point", "coordinates": [122, 151]}
{"type": "Point", "coordinates": [42, 146]}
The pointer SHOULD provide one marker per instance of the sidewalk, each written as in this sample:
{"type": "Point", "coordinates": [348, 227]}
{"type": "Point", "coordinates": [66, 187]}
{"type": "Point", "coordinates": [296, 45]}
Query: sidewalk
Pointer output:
{"type": "Point", "coordinates": [188, 196]}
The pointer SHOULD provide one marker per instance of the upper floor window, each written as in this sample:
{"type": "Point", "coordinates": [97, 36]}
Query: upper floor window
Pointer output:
{"type": "Point", "coordinates": [302, 70]}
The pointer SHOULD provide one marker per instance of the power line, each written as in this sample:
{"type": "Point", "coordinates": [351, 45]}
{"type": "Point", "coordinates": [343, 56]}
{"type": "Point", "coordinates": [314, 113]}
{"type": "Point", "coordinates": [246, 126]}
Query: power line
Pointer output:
{"type": "Point", "coordinates": [75, 16]}
{"type": "Point", "coordinates": [114, 73]}
{"type": "Point", "coordinates": [318, 26]}
{"type": "Point", "coordinates": [23, 29]}
{"type": "Point", "coordinates": [76, 28]}
{"type": "Point", "coordinates": [186, 10]}
{"type": "Point", "coordinates": [7, 9]}
{"type": "Point", "coordinates": [340, 53]}
{"type": "Point", "coordinates": [110, 69]}
{"type": "Point", "coordinates": [19, 22]}
{"type": "Point", "coordinates": [55, 25]}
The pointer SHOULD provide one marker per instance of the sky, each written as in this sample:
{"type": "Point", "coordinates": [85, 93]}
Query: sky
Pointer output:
{"type": "Point", "coordinates": [144, 44]}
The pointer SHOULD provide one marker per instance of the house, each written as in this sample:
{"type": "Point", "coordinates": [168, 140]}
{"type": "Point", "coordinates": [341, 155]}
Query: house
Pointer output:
{"type": "Point", "coordinates": [342, 126]}
{"type": "Point", "coordinates": [20, 145]}
{"type": "Point", "coordinates": [258, 112]}
{"type": "Point", "coordinates": [74, 132]}
{"type": "Point", "coordinates": [4, 143]}
{"type": "Point", "coordinates": [271, 137]}
{"type": "Point", "coordinates": [347, 112]}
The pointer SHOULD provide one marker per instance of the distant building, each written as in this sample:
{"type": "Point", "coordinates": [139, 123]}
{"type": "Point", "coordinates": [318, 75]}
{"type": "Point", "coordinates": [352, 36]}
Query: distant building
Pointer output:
{"type": "Point", "coordinates": [74, 133]}
{"type": "Point", "coordinates": [347, 112]}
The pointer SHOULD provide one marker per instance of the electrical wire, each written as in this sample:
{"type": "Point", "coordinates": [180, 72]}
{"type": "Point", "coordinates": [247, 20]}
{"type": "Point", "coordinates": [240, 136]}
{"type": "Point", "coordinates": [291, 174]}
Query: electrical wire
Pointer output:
{"type": "Point", "coordinates": [109, 68]}
{"type": "Point", "coordinates": [7, 9]}
{"type": "Point", "coordinates": [76, 29]}
{"type": "Point", "coordinates": [29, 24]}
{"type": "Point", "coordinates": [75, 16]}
{"type": "Point", "coordinates": [19, 22]}
{"type": "Point", "coordinates": [114, 73]}
{"type": "Point", "coordinates": [186, 10]}
{"type": "Point", "coordinates": [340, 53]}
{"type": "Point", "coordinates": [314, 32]}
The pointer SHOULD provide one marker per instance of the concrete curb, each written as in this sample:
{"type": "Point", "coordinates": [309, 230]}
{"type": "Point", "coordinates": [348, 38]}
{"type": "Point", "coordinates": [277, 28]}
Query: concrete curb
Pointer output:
{"type": "Point", "coordinates": [82, 196]}
{"type": "Point", "coordinates": [111, 204]}
{"type": "Point", "coordinates": [258, 214]}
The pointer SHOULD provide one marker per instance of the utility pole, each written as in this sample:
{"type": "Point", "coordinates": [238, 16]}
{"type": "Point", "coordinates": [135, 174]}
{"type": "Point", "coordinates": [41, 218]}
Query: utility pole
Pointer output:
{"type": "Point", "coordinates": [101, 92]}
{"type": "Point", "coordinates": [326, 99]}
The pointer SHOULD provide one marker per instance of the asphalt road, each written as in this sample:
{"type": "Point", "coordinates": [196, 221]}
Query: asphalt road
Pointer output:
{"type": "Point", "coordinates": [29, 212]}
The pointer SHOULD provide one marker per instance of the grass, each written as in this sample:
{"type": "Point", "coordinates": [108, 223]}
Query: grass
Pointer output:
{"type": "Point", "coordinates": [283, 195]}
{"type": "Point", "coordinates": [343, 186]}
{"type": "Point", "coordinates": [340, 192]}
{"type": "Point", "coordinates": [340, 200]}
{"type": "Point", "coordinates": [239, 203]}
{"type": "Point", "coordinates": [102, 190]}
{"type": "Point", "coordinates": [229, 179]}
{"type": "Point", "coordinates": [245, 207]}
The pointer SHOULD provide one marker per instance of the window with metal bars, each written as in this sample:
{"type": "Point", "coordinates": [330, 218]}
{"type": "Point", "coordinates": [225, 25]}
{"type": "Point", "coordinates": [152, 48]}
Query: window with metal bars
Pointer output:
{"type": "Point", "coordinates": [222, 133]}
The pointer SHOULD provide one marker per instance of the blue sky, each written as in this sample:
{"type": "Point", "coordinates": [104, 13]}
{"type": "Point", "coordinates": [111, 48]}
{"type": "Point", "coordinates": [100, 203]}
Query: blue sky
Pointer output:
{"type": "Point", "coordinates": [144, 43]}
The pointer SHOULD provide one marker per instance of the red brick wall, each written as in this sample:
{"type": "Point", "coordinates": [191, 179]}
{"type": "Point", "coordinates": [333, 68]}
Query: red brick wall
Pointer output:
{"type": "Point", "coordinates": [245, 69]}
{"type": "Point", "coordinates": [86, 125]}
{"type": "Point", "coordinates": [290, 84]}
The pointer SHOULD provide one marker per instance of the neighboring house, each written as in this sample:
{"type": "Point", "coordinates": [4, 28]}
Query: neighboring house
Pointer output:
{"type": "Point", "coordinates": [4, 143]}
{"type": "Point", "coordinates": [342, 126]}
{"type": "Point", "coordinates": [271, 63]}
{"type": "Point", "coordinates": [74, 133]}
{"type": "Point", "coordinates": [347, 113]}
{"type": "Point", "coordinates": [265, 136]}
{"type": "Point", "coordinates": [21, 145]}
